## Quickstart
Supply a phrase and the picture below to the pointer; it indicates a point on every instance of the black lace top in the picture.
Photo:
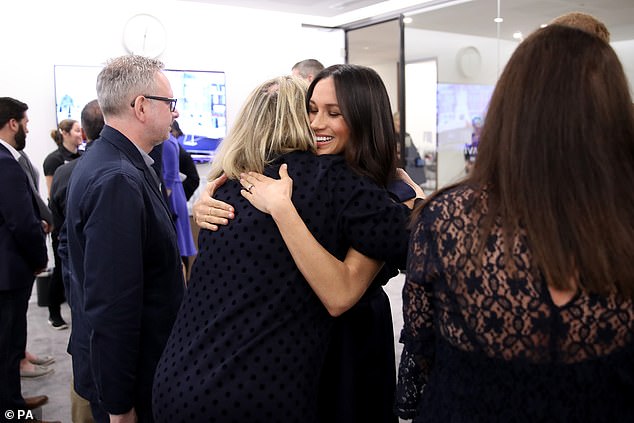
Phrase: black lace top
(483, 344)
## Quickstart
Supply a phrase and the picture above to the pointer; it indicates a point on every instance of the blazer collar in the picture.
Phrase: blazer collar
(123, 143)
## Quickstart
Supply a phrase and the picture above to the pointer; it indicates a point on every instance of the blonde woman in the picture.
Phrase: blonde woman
(251, 335)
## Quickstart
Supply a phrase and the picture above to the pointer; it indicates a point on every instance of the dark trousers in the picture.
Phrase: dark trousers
(56, 287)
(13, 306)
(98, 413)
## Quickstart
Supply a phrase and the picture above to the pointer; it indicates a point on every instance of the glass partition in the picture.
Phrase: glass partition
(465, 44)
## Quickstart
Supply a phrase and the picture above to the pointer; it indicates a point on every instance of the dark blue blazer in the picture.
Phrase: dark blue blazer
(22, 239)
(119, 252)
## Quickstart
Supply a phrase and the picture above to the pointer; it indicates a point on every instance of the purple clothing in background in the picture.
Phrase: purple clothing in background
(176, 198)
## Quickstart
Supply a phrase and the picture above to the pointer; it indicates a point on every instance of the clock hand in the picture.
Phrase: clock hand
(144, 38)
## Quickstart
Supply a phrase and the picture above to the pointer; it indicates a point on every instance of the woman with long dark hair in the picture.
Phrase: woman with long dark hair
(252, 332)
(518, 297)
(349, 112)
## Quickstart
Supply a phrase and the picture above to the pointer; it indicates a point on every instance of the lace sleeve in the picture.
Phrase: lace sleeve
(417, 335)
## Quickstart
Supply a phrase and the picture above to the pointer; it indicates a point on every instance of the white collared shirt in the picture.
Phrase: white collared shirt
(12, 150)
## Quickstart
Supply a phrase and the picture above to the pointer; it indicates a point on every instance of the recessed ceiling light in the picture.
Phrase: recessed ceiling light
(498, 20)
(543, 25)
(518, 35)
(407, 20)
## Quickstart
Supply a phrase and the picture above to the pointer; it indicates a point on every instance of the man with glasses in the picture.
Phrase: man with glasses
(118, 246)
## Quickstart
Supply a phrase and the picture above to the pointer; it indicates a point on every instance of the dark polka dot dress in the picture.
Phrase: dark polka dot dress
(250, 337)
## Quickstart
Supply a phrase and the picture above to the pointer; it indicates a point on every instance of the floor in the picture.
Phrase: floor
(44, 340)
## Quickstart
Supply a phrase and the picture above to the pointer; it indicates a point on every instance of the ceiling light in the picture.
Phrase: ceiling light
(518, 35)
(543, 25)
(408, 20)
(498, 20)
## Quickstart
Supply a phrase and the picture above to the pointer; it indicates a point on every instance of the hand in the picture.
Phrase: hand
(402, 175)
(209, 212)
(46, 227)
(267, 194)
(129, 417)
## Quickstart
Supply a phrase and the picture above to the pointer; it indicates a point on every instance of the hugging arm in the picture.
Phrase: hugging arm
(210, 213)
(338, 284)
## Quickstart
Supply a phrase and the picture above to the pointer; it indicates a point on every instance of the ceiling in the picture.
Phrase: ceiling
(471, 17)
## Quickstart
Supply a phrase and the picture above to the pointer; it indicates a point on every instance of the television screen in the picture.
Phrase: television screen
(201, 103)
(461, 114)
(202, 109)
(461, 111)
(74, 87)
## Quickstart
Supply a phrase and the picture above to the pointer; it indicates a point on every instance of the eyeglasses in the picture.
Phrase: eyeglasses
(171, 101)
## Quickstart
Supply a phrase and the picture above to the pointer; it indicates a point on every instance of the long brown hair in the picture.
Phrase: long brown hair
(556, 157)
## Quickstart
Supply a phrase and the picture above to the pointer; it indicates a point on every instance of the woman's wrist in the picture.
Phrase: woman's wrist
(282, 209)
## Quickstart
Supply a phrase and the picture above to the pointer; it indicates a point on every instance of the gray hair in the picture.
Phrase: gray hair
(122, 79)
(308, 67)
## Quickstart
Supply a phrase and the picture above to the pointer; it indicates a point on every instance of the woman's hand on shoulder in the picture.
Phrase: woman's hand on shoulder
(208, 212)
(267, 194)
(402, 175)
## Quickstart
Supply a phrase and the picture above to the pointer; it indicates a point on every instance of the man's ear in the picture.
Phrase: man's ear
(14, 124)
(140, 108)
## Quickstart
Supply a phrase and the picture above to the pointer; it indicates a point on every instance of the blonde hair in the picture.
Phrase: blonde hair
(273, 121)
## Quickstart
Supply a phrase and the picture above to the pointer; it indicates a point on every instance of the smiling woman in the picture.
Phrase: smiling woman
(348, 109)
(331, 130)
(257, 324)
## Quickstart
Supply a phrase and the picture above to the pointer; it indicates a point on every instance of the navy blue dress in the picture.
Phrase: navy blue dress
(482, 344)
(358, 378)
(250, 338)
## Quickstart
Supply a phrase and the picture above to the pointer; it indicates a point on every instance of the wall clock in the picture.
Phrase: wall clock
(469, 61)
(144, 35)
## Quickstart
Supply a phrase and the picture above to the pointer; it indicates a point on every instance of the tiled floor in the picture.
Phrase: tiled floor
(43, 339)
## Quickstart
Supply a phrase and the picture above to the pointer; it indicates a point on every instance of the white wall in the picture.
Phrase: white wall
(249, 45)
(625, 51)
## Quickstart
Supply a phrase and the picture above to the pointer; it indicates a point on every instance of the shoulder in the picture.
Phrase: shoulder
(104, 164)
(53, 155)
(449, 204)
(64, 170)
(52, 161)
(10, 168)
(61, 176)
(170, 149)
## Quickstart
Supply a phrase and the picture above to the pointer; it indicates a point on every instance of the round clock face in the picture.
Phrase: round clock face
(469, 61)
(144, 35)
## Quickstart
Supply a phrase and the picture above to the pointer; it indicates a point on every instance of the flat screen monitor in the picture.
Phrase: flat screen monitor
(461, 113)
(202, 109)
(201, 103)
